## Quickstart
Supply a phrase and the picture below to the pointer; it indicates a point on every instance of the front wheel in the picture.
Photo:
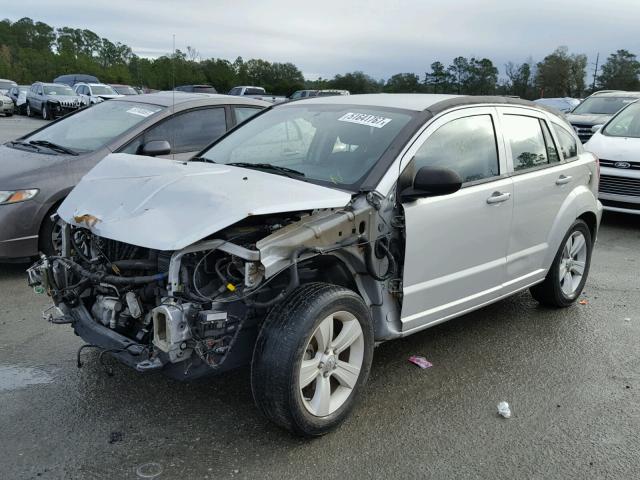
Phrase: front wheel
(29, 111)
(45, 112)
(312, 358)
(568, 273)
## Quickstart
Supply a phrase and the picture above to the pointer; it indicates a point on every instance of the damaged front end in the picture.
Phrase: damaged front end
(197, 310)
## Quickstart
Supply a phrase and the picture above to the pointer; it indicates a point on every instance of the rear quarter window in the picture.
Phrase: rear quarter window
(567, 143)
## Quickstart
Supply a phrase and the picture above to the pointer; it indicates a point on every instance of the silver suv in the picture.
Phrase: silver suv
(318, 229)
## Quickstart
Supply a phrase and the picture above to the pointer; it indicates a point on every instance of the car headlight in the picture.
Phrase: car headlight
(15, 196)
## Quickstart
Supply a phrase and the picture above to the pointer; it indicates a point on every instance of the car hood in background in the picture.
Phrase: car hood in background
(588, 119)
(24, 168)
(617, 149)
(167, 205)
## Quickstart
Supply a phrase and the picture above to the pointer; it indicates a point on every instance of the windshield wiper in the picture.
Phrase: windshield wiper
(53, 146)
(201, 159)
(25, 144)
(289, 172)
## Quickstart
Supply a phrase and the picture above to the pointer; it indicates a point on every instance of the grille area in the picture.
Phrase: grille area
(584, 131)
(612, 164)
(620, 185)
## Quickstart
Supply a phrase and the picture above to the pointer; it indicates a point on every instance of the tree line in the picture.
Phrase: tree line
(31, 51)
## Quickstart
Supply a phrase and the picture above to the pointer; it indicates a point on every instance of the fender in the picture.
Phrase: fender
(579, 201)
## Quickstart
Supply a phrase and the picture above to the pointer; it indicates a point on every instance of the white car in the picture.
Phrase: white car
(92, 93)
(317, 229)
(617, 145)
(6, 105)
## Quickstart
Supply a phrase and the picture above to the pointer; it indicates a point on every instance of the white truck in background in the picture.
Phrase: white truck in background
(258, 93)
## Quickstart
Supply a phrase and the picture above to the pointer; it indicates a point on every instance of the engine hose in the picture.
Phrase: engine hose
(391, 269)
(113, 279)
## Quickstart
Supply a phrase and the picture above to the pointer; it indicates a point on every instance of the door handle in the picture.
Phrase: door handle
(563, 179)
(498, 197)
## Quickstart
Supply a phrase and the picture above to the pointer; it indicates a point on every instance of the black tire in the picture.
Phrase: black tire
(28, 110)
(45, 239)
(281, 346)
(549, 292)
(45, 112)
(9, 114)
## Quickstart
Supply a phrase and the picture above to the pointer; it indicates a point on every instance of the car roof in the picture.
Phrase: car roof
(434, 103)
(52, 84)
(615, 93)
(168, 98)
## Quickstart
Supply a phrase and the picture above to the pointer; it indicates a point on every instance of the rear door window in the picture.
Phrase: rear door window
(567, 142)
(244, 113)
(466, 145)
(528, 147)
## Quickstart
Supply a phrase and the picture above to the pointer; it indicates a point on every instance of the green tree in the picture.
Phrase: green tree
(403, 83)
(561, 74)
(459, 71)
(355, 82)
(519, 80)
(621, 71)
(439, 80)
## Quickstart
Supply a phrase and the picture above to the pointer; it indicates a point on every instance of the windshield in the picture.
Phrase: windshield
(58, 90)
(125, 90)
(626, 123)
(94, 127)
(254, 91)
(331, 144)
(603, 105)
(102, 90)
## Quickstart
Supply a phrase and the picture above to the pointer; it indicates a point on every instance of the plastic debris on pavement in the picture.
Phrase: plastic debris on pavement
(583, 302)
(504, 410)
(420, 361)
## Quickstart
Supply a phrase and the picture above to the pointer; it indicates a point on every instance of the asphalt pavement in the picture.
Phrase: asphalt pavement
(571, 377)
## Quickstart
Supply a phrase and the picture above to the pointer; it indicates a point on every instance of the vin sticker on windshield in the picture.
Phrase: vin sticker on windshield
(364, 119)
(143, 112)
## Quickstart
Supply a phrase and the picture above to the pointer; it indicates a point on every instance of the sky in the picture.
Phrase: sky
(379, 37)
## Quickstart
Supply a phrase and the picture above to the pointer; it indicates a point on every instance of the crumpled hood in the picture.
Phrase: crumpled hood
(588, 119)
(167, 205)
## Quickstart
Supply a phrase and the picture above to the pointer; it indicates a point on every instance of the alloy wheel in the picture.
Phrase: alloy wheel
(331, 365)
(572, 263)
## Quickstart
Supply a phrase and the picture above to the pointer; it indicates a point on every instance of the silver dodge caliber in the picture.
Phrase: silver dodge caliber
(317, 229)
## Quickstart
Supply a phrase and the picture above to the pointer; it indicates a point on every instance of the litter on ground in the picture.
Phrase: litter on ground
(420, 361)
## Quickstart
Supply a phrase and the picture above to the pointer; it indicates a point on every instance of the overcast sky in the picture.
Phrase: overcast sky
(380, 37)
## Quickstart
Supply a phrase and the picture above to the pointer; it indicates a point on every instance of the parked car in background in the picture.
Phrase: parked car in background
(93, 93)
(124, 89)
(300, 94)
(617, 145)
(18, 94)
(563, 104)
(6, 105)
(40, 169)
(597, 109)
(258, 93)
(5, 85)
(196, 89)
(74, 78)
(274, 249)
(332, 92)
(51, 100)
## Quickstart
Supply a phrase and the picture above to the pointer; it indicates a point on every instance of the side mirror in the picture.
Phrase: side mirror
(595, 128)
(155, 148)
(432, 182)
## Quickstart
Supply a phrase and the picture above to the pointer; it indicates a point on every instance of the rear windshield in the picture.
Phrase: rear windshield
(603, 105)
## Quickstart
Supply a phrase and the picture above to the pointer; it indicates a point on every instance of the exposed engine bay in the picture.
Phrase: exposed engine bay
(198, 309)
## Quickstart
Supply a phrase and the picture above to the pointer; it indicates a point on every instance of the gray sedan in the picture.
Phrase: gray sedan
(40, 169)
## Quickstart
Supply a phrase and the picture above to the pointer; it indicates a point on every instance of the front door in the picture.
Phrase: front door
(456, 244)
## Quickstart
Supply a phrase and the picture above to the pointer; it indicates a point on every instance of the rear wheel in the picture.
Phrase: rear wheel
(312, 358)
(568, 273)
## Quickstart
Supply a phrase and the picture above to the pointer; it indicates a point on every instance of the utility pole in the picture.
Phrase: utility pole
(595, 74)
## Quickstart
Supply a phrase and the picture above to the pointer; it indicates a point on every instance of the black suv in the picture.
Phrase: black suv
(52, 100)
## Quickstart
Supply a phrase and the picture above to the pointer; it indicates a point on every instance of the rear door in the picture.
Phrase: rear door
(456, 244)
(541, 183)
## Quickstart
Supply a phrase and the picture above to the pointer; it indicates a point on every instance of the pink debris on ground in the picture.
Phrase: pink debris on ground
(420, 361)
